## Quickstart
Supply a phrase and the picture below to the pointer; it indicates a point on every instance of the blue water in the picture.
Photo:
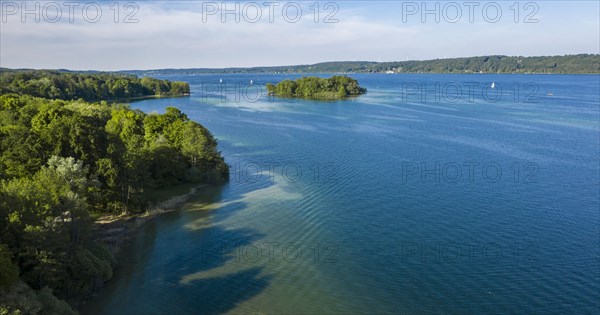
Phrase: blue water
(413, 198)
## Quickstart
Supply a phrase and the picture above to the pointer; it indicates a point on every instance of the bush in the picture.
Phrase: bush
(51, 305)
(20, 299)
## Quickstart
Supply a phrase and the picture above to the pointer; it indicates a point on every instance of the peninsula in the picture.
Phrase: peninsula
(67, 157)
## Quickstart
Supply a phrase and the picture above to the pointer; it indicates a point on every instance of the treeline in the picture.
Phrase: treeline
(90, 87)
(336, 87)
(583, 63)
(499, 64)
(62, 163)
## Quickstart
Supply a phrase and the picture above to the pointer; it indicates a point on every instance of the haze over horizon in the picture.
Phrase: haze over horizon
(194, 34)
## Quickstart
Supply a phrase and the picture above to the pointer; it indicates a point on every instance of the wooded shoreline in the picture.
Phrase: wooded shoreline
(78, 174)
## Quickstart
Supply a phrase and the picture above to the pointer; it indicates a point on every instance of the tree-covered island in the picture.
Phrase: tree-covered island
(334, 88)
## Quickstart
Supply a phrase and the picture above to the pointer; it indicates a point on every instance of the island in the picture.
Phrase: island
(334, 88)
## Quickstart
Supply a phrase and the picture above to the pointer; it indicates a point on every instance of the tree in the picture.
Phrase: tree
(126, 133)
(336, 87)
(270, 88)
(286, 88)
(9, 272)
(90, 87)
(342, 91)
(61, 161)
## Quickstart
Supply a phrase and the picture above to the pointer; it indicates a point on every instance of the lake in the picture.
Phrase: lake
(429, 194)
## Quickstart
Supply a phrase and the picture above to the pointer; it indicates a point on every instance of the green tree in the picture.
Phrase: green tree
(61, 161)
(9, 272)
(336, 87)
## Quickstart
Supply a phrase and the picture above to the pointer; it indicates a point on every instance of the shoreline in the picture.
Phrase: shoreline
(145, 97)
(115, 231)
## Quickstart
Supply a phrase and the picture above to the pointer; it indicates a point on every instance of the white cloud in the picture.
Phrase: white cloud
(176, 36)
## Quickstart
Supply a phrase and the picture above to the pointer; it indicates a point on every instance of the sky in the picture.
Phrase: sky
(96, 35)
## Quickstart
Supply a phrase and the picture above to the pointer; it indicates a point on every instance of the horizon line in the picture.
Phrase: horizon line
(300, 65)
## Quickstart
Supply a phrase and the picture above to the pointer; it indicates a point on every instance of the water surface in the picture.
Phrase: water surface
(446, 201)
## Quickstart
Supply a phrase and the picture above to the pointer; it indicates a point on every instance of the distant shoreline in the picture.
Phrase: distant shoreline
(491, 64)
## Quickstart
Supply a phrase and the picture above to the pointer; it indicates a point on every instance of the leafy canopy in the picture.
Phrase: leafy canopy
(336, 87)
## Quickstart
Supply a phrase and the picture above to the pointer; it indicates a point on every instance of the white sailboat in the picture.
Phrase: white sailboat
(493, 86)
(220, 80)
(251, 82)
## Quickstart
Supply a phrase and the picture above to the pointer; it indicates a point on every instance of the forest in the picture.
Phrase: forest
(336, 87)
(88, 86)
(568, 64)
(66, 161)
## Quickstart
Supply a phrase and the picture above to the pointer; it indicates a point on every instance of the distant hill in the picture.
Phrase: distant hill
(570, 64)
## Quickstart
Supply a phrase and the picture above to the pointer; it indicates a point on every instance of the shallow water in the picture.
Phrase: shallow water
(447, 201)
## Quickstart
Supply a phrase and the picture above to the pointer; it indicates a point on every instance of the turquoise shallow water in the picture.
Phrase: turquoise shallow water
(459, 199)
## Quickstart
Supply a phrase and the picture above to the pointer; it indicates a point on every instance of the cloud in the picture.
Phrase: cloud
(179, 35)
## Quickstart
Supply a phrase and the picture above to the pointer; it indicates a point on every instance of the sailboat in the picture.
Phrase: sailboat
(493, 86)
(251, 82)
(220, 80)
